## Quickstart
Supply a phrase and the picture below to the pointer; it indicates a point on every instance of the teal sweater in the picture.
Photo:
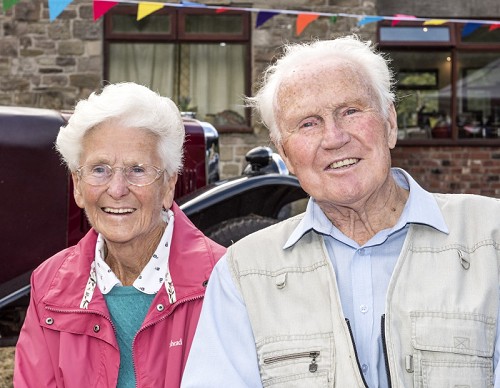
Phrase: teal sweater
(128, 307)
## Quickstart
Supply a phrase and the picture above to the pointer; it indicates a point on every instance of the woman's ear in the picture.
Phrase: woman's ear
(77, 194)
(168, 199)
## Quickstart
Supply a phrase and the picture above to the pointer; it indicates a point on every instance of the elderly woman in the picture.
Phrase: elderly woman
(379, 283)
(120, 308)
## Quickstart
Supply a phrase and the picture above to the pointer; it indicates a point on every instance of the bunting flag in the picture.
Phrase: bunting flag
(191, 4)
(303, 20)
(56, 7)
(369, 19)
(263, 17)
(435, 22)
(101, 7)
(400, 17)
(145, 9)
(469, 28)
(7, 4)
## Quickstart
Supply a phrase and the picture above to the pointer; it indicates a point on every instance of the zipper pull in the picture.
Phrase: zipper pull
(313, 367)
(409, 363)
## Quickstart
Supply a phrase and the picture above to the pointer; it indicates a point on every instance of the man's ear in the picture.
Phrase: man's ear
(168, 199)
(281, 150)
(392, 127)
(77, 194)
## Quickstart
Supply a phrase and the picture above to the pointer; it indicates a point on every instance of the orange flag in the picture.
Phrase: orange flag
(303, 20)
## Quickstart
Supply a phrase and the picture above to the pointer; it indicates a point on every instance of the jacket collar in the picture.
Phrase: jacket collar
(192, 257)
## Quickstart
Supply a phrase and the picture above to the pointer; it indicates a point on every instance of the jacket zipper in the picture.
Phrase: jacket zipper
(156, 322)
(313, 366)
(356, 352)
(384, 347)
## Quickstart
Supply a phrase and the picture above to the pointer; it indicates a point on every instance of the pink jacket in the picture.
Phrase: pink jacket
(62, 345)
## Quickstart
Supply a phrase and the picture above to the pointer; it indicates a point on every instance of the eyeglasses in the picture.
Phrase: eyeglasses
(101, 174)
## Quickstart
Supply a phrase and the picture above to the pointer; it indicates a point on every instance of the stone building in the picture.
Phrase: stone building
(206, 60)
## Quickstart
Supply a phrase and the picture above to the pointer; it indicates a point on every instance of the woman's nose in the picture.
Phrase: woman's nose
(118, 185)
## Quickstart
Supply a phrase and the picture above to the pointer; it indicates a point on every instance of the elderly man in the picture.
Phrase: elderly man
(379, 283)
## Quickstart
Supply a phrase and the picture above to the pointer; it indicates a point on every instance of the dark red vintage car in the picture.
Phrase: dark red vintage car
(39, 216)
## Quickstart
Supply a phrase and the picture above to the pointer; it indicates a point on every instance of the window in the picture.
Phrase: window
(197, 57)
(448, 81)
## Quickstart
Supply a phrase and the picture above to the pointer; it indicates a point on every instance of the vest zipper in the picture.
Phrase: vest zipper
(313, 367)
(384, 347)
(355, 352)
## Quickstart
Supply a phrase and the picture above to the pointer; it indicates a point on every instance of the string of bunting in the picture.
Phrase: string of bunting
(304, 18)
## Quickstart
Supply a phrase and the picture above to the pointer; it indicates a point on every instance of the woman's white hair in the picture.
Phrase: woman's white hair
(129, 105)
(362, 55)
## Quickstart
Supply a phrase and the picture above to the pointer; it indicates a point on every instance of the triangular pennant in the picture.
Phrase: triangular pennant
(494, 27)
(369, 19)
(469, 28)
(191, 4)
(56, 7)
(263, 17)
(333, 19)
(303, 20)
(221, 10)
(435, 22)
(144, 9)
(101, 7)
(7, 4)
(399, 17)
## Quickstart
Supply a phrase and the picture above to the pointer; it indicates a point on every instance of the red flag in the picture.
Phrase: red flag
(400, 17)
(101, 7)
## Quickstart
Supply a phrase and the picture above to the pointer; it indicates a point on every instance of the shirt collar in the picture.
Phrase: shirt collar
(420, 208)
(154, 274)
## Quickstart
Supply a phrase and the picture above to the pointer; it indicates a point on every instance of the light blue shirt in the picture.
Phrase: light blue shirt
(223, 351)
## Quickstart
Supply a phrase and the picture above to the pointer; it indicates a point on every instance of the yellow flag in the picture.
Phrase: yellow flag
(435, 22)
(146, 9)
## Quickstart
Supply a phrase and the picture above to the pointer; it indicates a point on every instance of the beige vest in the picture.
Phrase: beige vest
(441, 306)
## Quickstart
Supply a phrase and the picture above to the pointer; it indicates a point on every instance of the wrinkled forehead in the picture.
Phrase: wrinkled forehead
(333, 71)
(335, 80)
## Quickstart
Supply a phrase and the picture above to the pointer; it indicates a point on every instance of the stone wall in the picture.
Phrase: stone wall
(473, 170)
(49, 64)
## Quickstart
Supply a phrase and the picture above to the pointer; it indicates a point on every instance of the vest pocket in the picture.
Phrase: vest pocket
(452, 349)
(295, 361)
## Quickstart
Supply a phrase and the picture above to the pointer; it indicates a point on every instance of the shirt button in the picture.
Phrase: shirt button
(97, 328)
(160, 307)
(49, 321)
(362, 251)
(363, 308)
(364, 368)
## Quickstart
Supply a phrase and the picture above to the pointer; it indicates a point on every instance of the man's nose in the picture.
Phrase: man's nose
(334, 134)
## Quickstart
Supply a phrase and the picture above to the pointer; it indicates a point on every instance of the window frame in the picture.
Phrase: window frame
(178, 36)
(456, 47)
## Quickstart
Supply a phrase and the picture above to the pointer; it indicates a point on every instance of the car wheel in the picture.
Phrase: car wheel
(234, 229)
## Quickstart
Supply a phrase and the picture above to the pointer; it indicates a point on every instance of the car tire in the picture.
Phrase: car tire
(234, 229)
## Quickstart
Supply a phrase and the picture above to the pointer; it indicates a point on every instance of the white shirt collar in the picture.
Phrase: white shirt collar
(421, 207)
(154, 273)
